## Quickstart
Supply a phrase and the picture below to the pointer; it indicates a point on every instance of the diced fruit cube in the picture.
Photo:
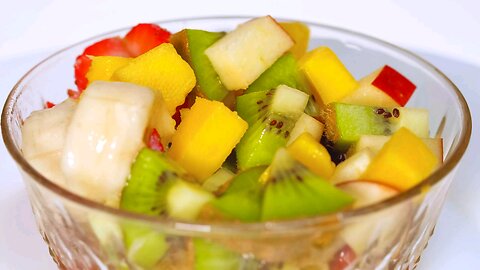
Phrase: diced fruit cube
(369, 95)
(185, 200)
(312, 155)
(103, 67)
(161, 120)
(242, 55)
(353, 167)
(283, 71)
(394, 84)
(218, 180)
(345, 123)
(306, 123)
(144, 37)
(205, 137)
(289, 101)
(300, 33)
(329, 78)
(191, 45)
(403, 161)
(163, 70)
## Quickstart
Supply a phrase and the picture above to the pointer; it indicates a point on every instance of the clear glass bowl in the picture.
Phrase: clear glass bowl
(391, 234)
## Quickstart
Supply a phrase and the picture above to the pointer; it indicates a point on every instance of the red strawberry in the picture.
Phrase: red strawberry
(154, 141)
(110, 46)
(145, 37)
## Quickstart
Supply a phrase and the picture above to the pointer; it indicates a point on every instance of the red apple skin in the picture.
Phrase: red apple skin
(343, 258)
(394, 84)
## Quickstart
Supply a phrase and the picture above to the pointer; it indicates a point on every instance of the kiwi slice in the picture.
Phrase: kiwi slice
(293, 191)
(242, 200)
(283, 71)
(191, 45)
(345, 123)
(271, 115)
(213, 256)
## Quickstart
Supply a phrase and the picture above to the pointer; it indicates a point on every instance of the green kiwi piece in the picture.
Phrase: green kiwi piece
(283, 71)
(293, 191)
(271, 115)
(242, 200)
(213, 256)
(345, 123)
(191, 45)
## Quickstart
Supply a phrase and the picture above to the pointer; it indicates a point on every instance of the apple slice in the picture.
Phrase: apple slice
(394, 84)
(380, 229)
(353, 167)
(308, 124)
(242, 55)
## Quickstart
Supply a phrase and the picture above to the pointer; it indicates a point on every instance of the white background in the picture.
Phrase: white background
(447, 33)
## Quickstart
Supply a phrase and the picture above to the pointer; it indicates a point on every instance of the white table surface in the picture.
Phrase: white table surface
(444, 32)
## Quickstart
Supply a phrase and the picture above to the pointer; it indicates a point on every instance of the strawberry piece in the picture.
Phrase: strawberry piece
(395, 85)
(154, 141)
(343, 258)
(73, 94)
(107, 47)
(49, 105)
(145, 37)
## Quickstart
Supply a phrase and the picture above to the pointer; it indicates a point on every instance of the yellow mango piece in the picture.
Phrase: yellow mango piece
(308, 151)
(402, 162)
(163, 70)
(205, 137)
(103, 67)
(300, 33)
(329, 78)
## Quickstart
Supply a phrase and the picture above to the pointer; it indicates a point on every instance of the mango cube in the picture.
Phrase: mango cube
(308, 151)
(205, 137)
(103, 67)
(162, 70)
(402, 162)
(329, 78)
(300, 33)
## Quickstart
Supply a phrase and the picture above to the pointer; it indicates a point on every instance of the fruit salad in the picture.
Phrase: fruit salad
(250, 125)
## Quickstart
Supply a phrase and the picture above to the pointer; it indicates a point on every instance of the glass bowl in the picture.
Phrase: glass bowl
(391, 234)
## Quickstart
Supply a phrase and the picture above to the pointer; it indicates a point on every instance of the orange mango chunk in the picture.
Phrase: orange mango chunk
(308, 151)
(329, 78)
(403, 161)
(103, 67)
(162, 70)
(205, 137)
(300, 33)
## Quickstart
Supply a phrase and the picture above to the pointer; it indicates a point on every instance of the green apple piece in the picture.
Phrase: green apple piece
(185, 200)
(191, 45)
(283, 71)
(242, 55)
(306, 123)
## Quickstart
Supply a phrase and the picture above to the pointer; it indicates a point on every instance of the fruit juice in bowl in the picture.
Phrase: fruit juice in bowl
(236, 143)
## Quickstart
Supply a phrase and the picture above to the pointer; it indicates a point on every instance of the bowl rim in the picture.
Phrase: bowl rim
(229, 227)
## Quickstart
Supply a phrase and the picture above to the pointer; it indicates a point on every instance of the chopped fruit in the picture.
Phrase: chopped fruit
(376, 142)
(367, 192)
(49, 105)
(345, 123)
(154, 141)
(271, 116)
(205, 137)
(162, 70)
(343, 258)
(73, 94)
(312, 155)
(191, 45)
(185, 200)
(242, 55)
(394, 84)
(103, 67)
(103, 138)
(402, 162)
(144, 37)
(212, 256)
(353, 167)
(306, 123)
(161, 120)
(369, 95)
(283, 71)
(218, 180)
(292, 191)
(300, 33)
(330, 79)
(107, 47)
(243, 198)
